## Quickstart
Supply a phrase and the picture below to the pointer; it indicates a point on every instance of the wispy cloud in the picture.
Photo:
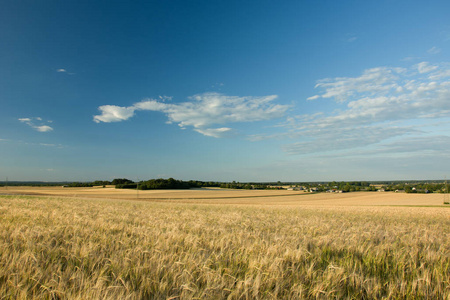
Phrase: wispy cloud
(434, 143)
(64, 71)
(343, 138)
(383, 110)
(203, 112)
(51, 145)
(411, 58)
(350, 37)
(37, 123)
(371, 82)
(434, 50)
(217, 85)
(380, 104)
(425, 67)
(406, 146)
(21, 142)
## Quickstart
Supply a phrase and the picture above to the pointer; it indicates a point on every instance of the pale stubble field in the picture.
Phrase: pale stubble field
(222, 245)
(230, 196)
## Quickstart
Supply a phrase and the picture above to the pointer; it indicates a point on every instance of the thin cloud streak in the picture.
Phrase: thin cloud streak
(434, 50)
(64, 71)
(344, 138)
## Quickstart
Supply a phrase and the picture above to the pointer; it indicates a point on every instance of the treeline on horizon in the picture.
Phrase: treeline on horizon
(156, 184)
(416, 186)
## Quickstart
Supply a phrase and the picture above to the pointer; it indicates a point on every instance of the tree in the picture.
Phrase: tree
(121, 181)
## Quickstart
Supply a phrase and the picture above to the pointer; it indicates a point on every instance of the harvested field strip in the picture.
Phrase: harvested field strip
(170, 198)
(255, 197)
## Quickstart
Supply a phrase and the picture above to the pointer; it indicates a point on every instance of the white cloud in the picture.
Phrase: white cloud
(378, 110)
(440, 73)
(64, 71)
(313, 97)
(37, 123)
(113, 113)
(380, 104)
(425, 67)
(214, 132)
(43, 128)
(153, 105)
(202, 112)
(371, 82)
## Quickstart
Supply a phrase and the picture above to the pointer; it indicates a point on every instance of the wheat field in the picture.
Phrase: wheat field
(54, 247)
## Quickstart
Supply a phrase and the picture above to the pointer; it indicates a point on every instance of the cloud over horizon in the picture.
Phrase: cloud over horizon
(203, 112)
(380, 104)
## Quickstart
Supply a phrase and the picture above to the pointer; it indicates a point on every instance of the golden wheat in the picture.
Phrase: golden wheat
(68, 248)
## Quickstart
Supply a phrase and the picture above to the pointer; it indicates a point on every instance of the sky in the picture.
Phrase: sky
(224, 90)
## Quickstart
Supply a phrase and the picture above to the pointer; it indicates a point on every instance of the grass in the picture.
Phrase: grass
(69, 248)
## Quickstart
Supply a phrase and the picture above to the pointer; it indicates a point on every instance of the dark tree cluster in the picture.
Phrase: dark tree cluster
(121, 181)
(347, 186)
(171, 183)
(248, 185)
(159, 184)
(88, 184)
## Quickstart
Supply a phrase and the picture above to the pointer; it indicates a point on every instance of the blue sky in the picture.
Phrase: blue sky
(224, 90)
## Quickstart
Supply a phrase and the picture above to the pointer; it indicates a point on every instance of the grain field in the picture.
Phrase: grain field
(91, 248)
